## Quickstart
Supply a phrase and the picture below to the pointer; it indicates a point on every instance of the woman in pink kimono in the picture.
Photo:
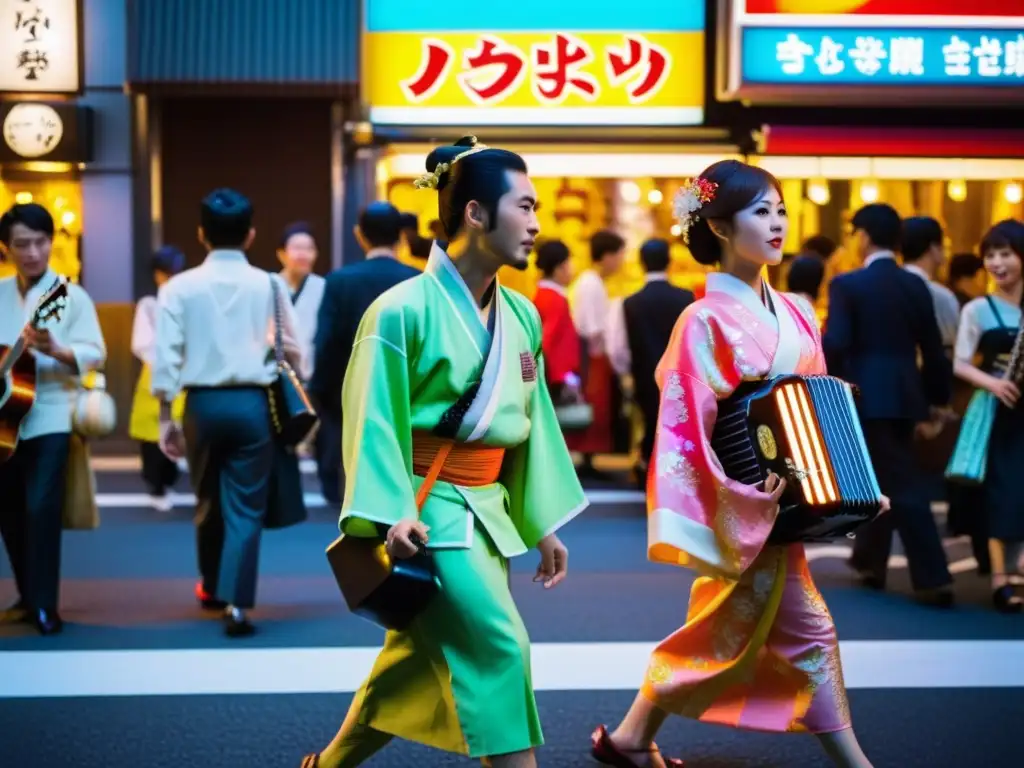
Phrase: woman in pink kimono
(759, 649)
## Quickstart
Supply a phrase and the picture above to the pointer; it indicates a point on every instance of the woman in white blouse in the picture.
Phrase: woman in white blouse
(988, 327)
(297, 253)
(158, 472)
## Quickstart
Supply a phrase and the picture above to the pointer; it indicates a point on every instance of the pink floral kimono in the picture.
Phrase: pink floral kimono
(759, 648)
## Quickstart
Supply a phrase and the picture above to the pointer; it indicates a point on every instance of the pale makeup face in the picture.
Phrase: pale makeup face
(30, 251)
(299, 254)
(512, 239)
(759, 230)
(1005, 267)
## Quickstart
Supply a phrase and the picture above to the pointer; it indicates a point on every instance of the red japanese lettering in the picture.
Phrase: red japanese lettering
(645, 64)
(494, 70)
(435, 61)
(558, 69)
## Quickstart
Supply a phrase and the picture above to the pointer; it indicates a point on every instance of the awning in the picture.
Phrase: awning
(298, 44)
(891, 142)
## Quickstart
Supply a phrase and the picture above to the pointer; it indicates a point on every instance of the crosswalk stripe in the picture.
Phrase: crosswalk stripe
(139, 500)
(887, 664)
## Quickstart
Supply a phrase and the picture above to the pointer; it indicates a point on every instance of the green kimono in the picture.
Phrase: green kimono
(459, 678)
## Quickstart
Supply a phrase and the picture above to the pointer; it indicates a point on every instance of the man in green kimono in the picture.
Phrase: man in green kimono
(453, 355)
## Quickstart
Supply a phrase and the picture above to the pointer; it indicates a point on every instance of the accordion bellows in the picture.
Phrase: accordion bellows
(805, 429)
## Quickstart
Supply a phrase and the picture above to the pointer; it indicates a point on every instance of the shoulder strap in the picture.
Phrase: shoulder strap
(275, 293)
(995, 311)
(432, 475)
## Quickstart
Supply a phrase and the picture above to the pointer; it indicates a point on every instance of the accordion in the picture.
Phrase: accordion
(806, 430)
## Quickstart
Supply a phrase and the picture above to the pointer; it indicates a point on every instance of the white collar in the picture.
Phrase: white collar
(916, 270)
(732, 286)
(551, 285)
(226, 255)
(380, 253)
(878, 256)
(656, 277)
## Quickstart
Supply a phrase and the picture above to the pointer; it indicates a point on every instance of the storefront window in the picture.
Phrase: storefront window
(574, 208)
(62, 197)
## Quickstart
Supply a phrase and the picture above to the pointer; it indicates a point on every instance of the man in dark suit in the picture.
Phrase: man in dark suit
(880, 319)
(639, 335)
(348, 293)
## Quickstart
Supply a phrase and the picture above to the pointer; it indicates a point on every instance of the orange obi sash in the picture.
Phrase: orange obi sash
(466, 464)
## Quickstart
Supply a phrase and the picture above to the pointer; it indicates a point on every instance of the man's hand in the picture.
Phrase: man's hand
(886, 505)
(172, 440)
(42, 342)
(399, 543)
(554, 561)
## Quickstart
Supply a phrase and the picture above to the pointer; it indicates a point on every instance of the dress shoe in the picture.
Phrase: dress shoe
(16, 614)
(605, 751)
(236, 624)
(48, 622)
(208, 601)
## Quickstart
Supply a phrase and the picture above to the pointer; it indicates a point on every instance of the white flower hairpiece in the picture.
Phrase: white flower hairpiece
(689, 200)
(431, 180)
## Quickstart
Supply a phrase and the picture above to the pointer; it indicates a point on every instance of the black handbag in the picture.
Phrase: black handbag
(285, 503)
(292, 416)
(385, 591)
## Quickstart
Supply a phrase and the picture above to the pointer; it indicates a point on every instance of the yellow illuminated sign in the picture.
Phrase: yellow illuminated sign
(534, 78)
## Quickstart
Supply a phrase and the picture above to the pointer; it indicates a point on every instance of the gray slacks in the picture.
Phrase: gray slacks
(230, 455)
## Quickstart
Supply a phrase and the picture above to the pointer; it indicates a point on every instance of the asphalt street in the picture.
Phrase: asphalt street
(142, 677)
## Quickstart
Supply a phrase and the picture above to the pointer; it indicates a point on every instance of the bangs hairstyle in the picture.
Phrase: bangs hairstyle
(296, 228)
(1008, 233)
(480, 176)
(739, 186)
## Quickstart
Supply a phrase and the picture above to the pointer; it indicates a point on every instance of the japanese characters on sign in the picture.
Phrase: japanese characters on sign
(493, 70)
(533, 63)
(934, 56)
(32, 130)
(39, 46)
(534, 77)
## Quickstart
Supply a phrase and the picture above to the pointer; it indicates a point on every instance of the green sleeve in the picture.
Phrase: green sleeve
(377, 426)
(544, 491)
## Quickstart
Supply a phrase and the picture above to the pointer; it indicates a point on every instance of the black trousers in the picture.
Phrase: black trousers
(230, 456)
(158, 472)
(328, 456)
(649, 410)
(31, 509)
(891, 445)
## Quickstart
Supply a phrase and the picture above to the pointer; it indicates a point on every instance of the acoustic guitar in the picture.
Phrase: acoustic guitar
(18, 370)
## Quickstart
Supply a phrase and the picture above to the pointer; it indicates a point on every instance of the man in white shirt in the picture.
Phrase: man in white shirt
(923, 255)
(32, 481)
(590, 311)
(214, 339)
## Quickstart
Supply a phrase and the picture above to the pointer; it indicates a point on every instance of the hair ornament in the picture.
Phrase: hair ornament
(690, 198)
(431, 180)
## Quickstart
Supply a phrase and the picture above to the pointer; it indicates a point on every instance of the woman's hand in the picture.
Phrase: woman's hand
(774, 486)
(1005, 391)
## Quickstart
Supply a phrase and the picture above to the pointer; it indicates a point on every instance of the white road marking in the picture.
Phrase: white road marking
(874, 664)
(142, 500)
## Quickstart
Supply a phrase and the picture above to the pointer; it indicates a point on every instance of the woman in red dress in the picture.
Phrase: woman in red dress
(561, 343)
